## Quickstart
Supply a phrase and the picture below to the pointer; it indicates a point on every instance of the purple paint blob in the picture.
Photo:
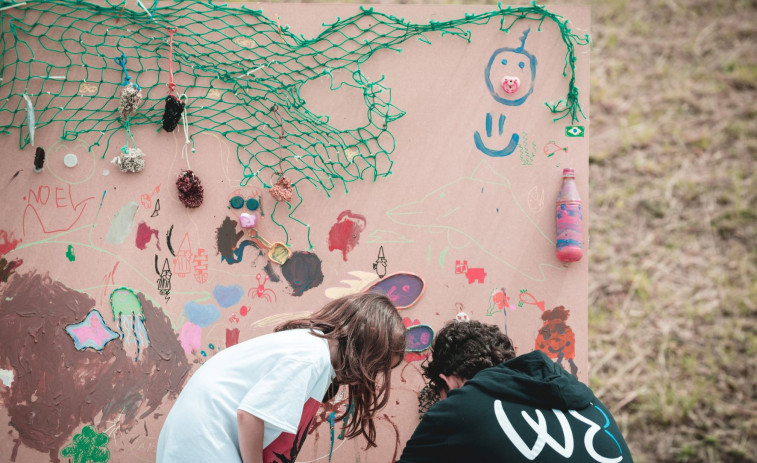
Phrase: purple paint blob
(404, 289)
(418, 338)
(303, 272)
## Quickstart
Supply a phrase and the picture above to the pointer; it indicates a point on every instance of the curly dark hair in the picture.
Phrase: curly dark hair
(465, 348)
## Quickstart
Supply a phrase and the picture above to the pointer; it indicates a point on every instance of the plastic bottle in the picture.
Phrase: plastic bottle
(568, 219)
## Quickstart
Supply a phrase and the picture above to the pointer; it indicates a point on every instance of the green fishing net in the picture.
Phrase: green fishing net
(241, 70)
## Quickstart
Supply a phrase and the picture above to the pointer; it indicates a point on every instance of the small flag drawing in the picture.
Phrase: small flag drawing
(574, 131)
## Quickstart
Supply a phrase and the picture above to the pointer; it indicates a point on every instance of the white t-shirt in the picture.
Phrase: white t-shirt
(281, 378)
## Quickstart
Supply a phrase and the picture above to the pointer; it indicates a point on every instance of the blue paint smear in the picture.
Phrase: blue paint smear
(238, 252)
(202, 315)
(226, 296)
(506, 151)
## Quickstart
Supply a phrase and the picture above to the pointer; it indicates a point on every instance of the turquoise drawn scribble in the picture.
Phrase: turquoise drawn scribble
(448, 210)
(88, 447)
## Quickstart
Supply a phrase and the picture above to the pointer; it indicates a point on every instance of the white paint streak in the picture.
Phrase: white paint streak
(120, 226)
(6, 377)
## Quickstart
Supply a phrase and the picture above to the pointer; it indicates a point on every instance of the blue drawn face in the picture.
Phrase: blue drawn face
(510, 74)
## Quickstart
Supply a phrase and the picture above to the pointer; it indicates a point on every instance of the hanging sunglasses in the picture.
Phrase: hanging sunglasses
(238, 202)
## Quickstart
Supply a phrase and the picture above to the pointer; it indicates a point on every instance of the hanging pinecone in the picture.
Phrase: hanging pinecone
(130, 160)
(172, 114)
(131, 97)
(282, 190)
(190, 189)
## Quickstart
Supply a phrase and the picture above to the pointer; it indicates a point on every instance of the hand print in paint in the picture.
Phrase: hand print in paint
(345, 233)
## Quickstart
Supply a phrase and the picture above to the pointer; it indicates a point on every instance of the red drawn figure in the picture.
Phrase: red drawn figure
(556, 338)
(261, 292)
(412, 355)
(201, 266)
(182, 264)
(499, 302)
(528, 298)
(146, 199)
(473, 274)
(345, 233)
(48, 213)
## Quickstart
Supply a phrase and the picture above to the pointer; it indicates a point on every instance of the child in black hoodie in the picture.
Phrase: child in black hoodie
(497, 407)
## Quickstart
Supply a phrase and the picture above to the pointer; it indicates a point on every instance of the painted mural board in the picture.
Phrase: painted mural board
(425, 165)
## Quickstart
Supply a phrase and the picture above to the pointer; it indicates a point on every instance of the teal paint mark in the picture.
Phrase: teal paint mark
(441, 257)
(70, 253)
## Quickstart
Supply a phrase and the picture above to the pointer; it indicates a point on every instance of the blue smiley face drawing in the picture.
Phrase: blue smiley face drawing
(510, 74)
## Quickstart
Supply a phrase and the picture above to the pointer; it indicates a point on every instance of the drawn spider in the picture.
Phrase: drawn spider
(261, 292)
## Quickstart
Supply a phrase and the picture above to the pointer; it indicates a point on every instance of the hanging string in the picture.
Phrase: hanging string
(131, 93)
(31, 120)
(187, 140)
(174, 106)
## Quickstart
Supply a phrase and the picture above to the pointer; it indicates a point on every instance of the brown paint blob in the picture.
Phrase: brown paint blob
(57, 389)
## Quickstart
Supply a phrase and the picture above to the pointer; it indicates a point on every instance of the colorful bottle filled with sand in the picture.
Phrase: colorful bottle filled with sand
(568, 219)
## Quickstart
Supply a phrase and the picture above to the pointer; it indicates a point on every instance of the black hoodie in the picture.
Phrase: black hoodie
(527, 409)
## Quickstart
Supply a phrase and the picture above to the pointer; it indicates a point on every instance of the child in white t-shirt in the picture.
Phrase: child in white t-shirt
(255, 401)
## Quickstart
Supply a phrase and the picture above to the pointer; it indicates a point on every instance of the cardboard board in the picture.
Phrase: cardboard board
(115, 292)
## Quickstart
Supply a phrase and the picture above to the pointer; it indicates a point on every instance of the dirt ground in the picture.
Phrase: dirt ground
(673, 287)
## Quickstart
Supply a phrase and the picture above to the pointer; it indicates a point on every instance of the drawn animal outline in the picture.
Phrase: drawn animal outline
(483, 176)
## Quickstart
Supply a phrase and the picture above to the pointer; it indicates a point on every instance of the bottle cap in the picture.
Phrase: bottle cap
(568, 172)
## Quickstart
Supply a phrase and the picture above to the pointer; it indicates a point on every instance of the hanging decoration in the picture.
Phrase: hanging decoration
(39, 159)
(131, 159)
(190, 189)
(131, 93)
(31, 119)
(282, 190)
(174, 106)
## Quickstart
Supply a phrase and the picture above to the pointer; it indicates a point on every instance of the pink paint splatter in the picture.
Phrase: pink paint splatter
(190, 337)
(7, 244)
(144, 234)
(345, 233)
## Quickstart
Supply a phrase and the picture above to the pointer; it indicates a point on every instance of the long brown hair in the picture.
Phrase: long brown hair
(371, 340)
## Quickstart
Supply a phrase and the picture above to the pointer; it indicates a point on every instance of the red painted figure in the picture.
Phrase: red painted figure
(556, 338)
